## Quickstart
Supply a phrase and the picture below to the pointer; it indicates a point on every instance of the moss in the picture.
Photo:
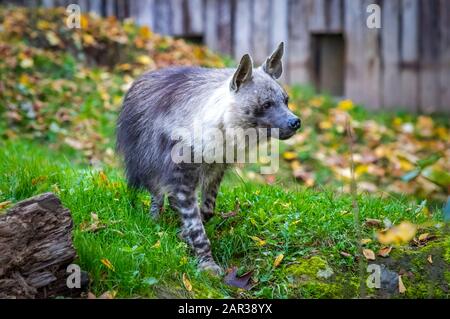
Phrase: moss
(314, 278)
(421, 278)
(306, 269)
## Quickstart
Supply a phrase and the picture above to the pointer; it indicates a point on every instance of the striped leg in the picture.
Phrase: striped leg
(193, 231)
(156, 205)
(210, 188)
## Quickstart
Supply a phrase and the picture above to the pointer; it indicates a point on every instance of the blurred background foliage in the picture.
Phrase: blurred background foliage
(63, 88)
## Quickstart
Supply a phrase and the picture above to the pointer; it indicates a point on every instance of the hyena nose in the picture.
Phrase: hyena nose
(294, 123)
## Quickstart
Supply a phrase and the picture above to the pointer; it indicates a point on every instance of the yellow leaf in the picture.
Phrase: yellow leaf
(258, 241)
(187, 284)
(88, 39)
(325, 125)
(369, 254)
(278, 260)
(430, 259)
(365, 241)
(108, 295)
(423, 237)
(52, 38)
(400, 234)
(84, 22)
(145, 32)
(5, 204)
(107, 263)
(316, 102)
(345, 105)
(401, 286)
(289, 156)
(361, 169)
(24, 79)
(157, 244)
(183, 261)
(103, 177)
(144, 59)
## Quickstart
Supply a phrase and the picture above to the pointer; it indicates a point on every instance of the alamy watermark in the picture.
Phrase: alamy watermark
(231, 146)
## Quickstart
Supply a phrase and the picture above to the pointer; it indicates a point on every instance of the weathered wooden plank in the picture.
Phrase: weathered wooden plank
(391, 55)
(372, 62)
(122, 10)
(429, 56)
(84, 5)
(354, 24)
(95, 6)
(195, 13)
(143, 12)
(242, 28)
(48, 3)
(317, 16)
(299, 43)
(445, 56)
(224, 27)
(178, 17)
(410, 54)
(279, 30)
(334, 15)
(211, 19)
(163, 17)
(110, 7)
(261, 36)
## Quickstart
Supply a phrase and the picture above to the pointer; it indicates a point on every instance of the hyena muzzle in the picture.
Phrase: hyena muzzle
(160, 102)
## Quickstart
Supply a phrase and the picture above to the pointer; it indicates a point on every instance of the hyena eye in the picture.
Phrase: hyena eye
(267, 105)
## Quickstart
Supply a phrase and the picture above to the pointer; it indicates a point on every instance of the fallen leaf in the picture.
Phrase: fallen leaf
(424, 237)
(107, 263)
(90, 295)
(243, 282)
(108, 295)
(343, 253)
(369, 254)
(94, 225)
(430, 259)
(370, 222)
(289, 156)
(401, 286)
(3, 205)
(259, 242)
(385, 251)
(400, 234)
(157, 244)
(365, 241)
(278, 260)
(187, 284)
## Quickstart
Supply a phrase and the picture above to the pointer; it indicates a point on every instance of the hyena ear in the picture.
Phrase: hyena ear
(243, 73)
(273, 65)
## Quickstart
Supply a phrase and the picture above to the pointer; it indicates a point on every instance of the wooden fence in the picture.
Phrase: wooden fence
(404, 64)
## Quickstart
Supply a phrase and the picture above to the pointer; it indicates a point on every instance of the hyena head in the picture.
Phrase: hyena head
(259, 101)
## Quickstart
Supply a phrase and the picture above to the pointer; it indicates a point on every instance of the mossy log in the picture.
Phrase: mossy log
(36, 249)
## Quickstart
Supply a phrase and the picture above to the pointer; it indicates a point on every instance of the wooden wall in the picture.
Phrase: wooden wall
(405, 64)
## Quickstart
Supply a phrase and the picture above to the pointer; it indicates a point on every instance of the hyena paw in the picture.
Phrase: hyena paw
(211, 267)
(207, 215)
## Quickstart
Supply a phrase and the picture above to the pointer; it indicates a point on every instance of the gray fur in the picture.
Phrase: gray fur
(160, 102)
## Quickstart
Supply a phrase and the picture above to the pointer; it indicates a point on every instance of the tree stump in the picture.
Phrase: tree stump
(36, 249)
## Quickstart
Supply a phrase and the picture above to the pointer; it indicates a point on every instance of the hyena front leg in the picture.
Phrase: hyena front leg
(210, 188)
(156, 205)
(193, 232)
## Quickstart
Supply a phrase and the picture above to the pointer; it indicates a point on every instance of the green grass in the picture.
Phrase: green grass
(298, 223)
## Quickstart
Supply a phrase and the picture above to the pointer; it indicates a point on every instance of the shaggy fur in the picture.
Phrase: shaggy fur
(161, 102)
